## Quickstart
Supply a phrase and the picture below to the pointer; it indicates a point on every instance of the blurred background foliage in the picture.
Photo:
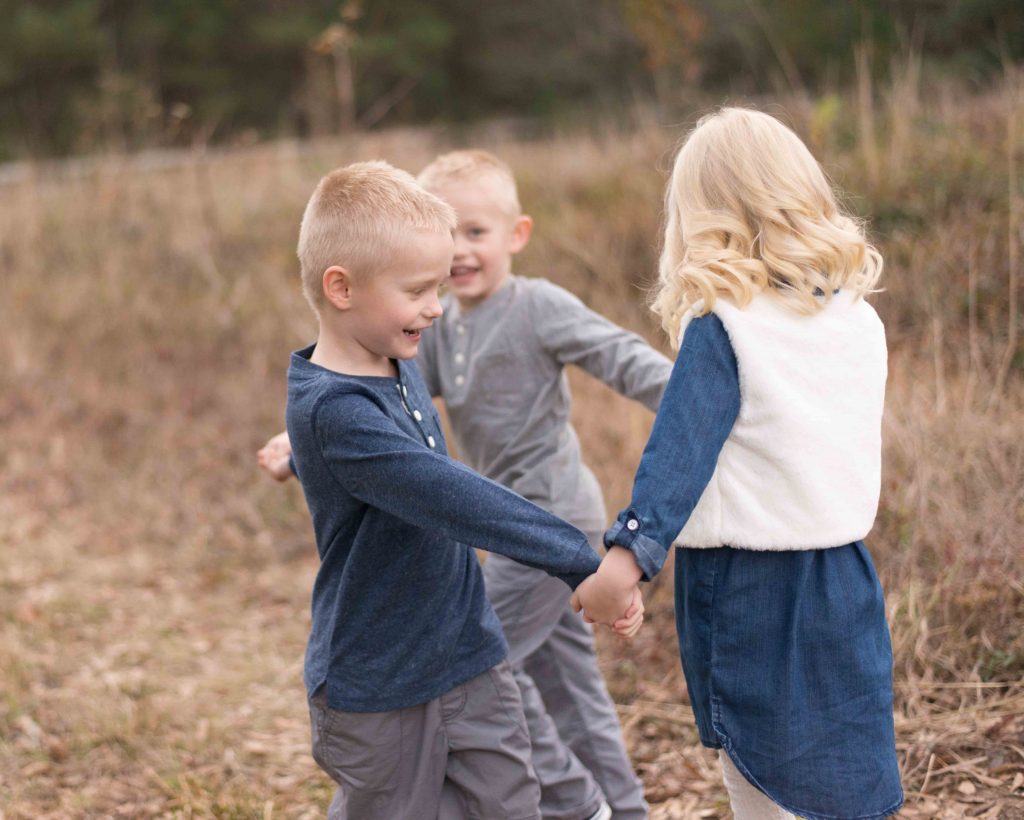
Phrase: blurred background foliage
(82, 75)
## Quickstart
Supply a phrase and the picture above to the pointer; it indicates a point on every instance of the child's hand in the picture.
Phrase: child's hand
(274, 455)
(602, 599)
(630, 623)
(609, 595)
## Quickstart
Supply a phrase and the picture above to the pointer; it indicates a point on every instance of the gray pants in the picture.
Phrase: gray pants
(578, 748)
(465, 754)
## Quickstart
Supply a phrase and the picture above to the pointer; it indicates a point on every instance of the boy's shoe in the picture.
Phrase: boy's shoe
(604, 812)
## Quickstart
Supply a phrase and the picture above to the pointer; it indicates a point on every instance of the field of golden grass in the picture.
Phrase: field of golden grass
(154, 586)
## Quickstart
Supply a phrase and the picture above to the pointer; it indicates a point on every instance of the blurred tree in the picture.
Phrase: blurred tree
(400, 45)
(670, 33)
(758, 45)
(48, 55)
(535, 55)
(87, 74)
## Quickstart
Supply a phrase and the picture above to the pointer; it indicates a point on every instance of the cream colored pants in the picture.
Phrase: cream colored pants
(747, 802)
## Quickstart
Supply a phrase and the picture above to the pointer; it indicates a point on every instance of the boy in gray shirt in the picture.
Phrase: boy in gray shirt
(497, 357)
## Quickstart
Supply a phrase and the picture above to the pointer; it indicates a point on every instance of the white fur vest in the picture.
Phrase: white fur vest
(801, 468)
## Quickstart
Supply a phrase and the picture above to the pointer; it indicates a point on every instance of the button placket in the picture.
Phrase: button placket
(403, 392)
(461, 356)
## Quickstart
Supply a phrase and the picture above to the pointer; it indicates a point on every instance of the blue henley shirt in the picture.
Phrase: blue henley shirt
(399, 612)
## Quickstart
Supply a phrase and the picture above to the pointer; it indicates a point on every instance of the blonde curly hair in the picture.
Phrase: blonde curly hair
(749, 210)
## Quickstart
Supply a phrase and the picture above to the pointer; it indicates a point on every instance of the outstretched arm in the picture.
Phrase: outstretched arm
(382, 466)
(574, 334)
(697, 413)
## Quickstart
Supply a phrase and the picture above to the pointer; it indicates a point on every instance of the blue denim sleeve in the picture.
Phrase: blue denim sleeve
(384, 467)
(697, 413)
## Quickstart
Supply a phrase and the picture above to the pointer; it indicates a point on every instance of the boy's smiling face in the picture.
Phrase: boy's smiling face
(391, 307)
(486, 239)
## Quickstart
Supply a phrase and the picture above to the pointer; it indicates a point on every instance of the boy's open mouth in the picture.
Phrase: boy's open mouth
(413, 334)
(462, 272)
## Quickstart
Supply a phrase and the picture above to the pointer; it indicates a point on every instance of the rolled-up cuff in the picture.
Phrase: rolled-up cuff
(650, 557)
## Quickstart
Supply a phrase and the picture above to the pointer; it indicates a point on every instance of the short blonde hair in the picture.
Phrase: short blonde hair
(358, 216)
(471, 165)
(749, 210)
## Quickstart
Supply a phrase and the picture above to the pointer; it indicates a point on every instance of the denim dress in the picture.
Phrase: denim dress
(786, 653)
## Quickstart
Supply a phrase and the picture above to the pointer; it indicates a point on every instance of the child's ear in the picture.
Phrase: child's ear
(337, 284)
(521, 230)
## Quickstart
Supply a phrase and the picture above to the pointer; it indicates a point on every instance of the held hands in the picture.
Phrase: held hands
(611, 596)
(273, 457)
(603, 604)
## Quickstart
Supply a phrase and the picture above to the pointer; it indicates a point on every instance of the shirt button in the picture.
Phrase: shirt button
(460, 329)
(416, 414)
(459, 358)
(405, 392)
(632, 525)
(459, 380)
(431, 443)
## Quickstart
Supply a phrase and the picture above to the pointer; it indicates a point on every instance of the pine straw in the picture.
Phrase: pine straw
(133, 690)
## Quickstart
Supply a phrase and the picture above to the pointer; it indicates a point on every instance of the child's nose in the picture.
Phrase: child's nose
(433, 309)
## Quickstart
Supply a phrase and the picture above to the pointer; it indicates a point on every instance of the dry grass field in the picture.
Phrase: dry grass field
(154, 586)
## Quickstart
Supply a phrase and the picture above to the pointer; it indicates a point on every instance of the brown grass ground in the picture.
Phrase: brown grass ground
(154, 587)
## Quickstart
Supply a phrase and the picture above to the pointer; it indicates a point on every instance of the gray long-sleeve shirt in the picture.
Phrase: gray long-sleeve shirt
(500, 369)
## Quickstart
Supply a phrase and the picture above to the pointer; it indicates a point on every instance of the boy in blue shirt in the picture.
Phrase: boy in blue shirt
(414, 710)
(497, 358)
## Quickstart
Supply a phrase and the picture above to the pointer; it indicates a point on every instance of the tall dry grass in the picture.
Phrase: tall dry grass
(154, 587)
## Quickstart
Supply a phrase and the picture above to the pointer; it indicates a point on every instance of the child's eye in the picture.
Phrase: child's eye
(476, 233)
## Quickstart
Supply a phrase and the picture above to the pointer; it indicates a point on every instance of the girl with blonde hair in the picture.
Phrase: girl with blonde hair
(763, 470)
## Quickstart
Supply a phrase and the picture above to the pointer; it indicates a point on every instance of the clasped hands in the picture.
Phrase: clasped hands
(611, 596)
